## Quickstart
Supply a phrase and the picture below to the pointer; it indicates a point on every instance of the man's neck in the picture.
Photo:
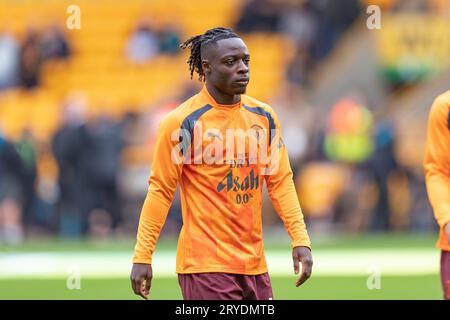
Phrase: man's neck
(222, 98)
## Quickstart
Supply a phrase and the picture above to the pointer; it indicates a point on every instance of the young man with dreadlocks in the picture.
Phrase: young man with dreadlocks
(220, 252)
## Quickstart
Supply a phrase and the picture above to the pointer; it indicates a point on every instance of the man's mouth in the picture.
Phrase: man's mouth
(242, 82)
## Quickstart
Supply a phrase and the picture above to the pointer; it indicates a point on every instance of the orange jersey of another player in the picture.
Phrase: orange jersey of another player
(221, 202)
(437, 164)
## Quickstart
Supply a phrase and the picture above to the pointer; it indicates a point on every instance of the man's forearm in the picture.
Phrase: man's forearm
(288, 208)
(153, 216)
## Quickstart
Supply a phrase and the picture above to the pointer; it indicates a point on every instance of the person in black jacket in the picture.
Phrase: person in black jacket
(12, 185)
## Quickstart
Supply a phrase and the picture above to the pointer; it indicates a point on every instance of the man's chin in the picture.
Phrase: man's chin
(241, 90)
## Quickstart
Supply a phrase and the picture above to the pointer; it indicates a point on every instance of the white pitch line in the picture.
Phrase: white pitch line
(118, 264)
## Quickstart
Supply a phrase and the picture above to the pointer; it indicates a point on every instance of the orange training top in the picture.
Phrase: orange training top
(437, 164)
(221, 202)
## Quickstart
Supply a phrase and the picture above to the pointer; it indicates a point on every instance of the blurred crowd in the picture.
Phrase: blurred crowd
(314, 27)
(147, 42)
(347, 172)
(345, 166)
(20, 63)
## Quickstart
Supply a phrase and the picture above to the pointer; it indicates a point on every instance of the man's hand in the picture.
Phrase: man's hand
(141, 279)
(447, 231)
(302, 254)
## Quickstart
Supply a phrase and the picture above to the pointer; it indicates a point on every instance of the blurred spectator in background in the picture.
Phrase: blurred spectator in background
(258, 16)
(54, 44)
(26, 148)
(349, 141)
(336, 188)
(132, 176)
(88, 156)
(358, 197)
(12, 185)
(382, 165)
(67, 147)
(143, 44)
(299, 69)
(169, 39)
(30, 60)
(334, 17)
(9, 60)
(293, 116)
(101, 164)
(299, 23)
(348, 137)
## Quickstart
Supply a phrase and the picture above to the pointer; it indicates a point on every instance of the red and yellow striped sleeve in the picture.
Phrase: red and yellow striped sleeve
(437, 163)
(163, 181)
(282, 191)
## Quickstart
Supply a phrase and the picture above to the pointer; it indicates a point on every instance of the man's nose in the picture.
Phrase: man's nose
(243, 68)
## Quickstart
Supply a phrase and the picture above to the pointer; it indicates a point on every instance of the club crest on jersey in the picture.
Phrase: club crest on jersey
(257, 131)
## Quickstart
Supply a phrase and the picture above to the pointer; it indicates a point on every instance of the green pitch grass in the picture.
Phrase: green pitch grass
(274, 242)
(325, 287)
(424, 286)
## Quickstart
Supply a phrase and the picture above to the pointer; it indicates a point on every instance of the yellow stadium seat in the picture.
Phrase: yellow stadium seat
(98, 65)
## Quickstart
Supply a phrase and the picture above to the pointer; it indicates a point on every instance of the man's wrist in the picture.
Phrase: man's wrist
(142, 261)
(301, 246)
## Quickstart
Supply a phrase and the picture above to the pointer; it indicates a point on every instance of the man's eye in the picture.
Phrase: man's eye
(229, 62)
(246, 61)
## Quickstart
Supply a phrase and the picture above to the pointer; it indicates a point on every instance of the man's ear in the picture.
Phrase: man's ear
(206, 66)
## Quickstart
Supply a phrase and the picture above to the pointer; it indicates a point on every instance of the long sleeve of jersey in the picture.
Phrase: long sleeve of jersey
(163, 181)
(437, 159)
(282, 192)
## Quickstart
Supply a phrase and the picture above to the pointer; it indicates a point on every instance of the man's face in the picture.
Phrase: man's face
(226, 65)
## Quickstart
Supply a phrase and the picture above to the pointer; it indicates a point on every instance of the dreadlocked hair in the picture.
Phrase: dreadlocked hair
(196, 42)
